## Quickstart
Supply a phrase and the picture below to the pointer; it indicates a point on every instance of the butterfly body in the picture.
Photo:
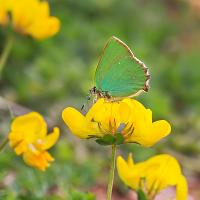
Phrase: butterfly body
(119, 73)
(100, 94)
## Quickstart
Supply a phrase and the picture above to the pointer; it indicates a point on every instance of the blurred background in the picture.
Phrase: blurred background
(47, 76)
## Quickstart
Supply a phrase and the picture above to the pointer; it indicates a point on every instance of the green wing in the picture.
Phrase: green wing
(119, 72)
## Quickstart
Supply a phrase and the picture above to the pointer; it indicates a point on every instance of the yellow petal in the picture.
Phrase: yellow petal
(31, 126)
(107, 114)
(25, 131)
(149, 134)
(123, 169)
(103, 117)
(15, 138)
(159, 130)
(3, 13)
(129, 175)
(33, 18)
(23, 14)
(115, 118)
(44, 28)
(130, 160)
(125, 112)
(136, 106)
(78, 124)
(159, 172)
(39, 161)
(182, 189)
(20, 148)
(43, 10)
(162, 171)
(95, 109)
(51, 139)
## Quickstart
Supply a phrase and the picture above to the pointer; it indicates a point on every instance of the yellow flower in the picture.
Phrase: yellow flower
(28, 137)
(128, 119)
(153, 175)
(3, 12)
(31, 17)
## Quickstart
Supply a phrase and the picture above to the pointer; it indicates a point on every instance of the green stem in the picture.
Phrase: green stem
(5, 53)
(112, 173)
(3, 144)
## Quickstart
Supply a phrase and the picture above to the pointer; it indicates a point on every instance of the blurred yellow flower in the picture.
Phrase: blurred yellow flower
(3, 12)
(153, 175)
(28, 137)
(30, 17)
(121, 122)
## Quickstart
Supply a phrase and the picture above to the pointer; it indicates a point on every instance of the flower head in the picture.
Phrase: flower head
(28, 137)
(29, 17)
(153, 175)
(121, 122)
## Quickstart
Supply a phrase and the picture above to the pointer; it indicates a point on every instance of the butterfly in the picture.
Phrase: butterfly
(119, 73)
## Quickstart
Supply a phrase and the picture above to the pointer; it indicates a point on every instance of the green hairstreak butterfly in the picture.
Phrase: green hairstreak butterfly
(119, 73)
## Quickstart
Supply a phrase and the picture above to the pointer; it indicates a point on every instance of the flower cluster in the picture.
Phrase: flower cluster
(153, 175)
(127, 117)
(29, 17)
(128, 121)
(28, 137)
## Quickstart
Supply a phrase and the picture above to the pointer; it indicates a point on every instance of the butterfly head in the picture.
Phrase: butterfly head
(99, 93)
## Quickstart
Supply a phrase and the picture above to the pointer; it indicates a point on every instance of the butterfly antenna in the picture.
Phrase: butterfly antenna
(88, 99)
(82, 106)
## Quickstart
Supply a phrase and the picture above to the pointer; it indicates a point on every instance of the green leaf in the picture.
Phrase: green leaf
(106, 140)
(141, 195)
(77, 195)
(119, 138)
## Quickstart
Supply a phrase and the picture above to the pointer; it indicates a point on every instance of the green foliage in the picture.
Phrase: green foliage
(20, 182)
(75, 195)
(141, 195)
(106, 140)
(110, 139)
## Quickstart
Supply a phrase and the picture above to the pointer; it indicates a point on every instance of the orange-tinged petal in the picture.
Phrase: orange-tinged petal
(78, 124)
(20, 148)
(39, 161)
(15, 138)
(28, 137)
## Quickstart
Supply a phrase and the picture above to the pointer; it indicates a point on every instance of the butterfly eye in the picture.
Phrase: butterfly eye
(93, 90)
